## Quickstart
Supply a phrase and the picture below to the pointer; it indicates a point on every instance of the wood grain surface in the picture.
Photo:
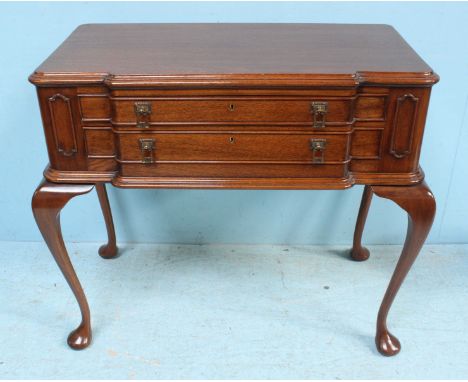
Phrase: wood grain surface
(225, 51)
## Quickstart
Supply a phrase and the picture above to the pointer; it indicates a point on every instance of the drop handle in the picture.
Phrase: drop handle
(319, 111)
(147, 147)
(143, 112)
(318, 147)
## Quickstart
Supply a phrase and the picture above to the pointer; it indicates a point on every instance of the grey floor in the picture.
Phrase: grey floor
(168, 311)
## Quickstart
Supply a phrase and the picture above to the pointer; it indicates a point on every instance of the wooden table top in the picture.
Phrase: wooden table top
(340, 50)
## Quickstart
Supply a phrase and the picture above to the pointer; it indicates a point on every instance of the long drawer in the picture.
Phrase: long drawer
(234, 154)
(235, 146)
(151, 112)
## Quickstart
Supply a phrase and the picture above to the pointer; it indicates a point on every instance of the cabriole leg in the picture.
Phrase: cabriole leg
(109, 250)
(419, 203)
(47, 202)
(358, 252)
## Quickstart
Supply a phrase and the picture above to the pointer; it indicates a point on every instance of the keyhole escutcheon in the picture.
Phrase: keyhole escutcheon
(231, 107)
(231, 140)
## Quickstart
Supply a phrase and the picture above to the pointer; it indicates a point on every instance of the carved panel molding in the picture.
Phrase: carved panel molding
(403, 125)
(62, 124)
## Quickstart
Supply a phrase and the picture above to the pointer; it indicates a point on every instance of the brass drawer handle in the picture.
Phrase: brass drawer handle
(147, 147)
(318, 150)
(319, 110)
(143, 111)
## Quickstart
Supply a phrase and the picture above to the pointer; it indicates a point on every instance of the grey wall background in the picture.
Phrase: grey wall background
(437, 31)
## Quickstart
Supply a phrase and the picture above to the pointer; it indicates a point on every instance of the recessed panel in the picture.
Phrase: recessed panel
(403, 126)
(366, 143)
(99, 143)
(94, 107)
(370, 108)
(62, 125)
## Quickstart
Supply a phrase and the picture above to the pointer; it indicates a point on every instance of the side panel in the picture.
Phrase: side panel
(62, 127)
(403, 134)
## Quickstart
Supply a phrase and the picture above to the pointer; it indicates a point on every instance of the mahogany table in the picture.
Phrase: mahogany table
(234, 106)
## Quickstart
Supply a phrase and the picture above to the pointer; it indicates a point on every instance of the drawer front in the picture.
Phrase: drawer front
(232, 110)
(236, 147)
(233, 155)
